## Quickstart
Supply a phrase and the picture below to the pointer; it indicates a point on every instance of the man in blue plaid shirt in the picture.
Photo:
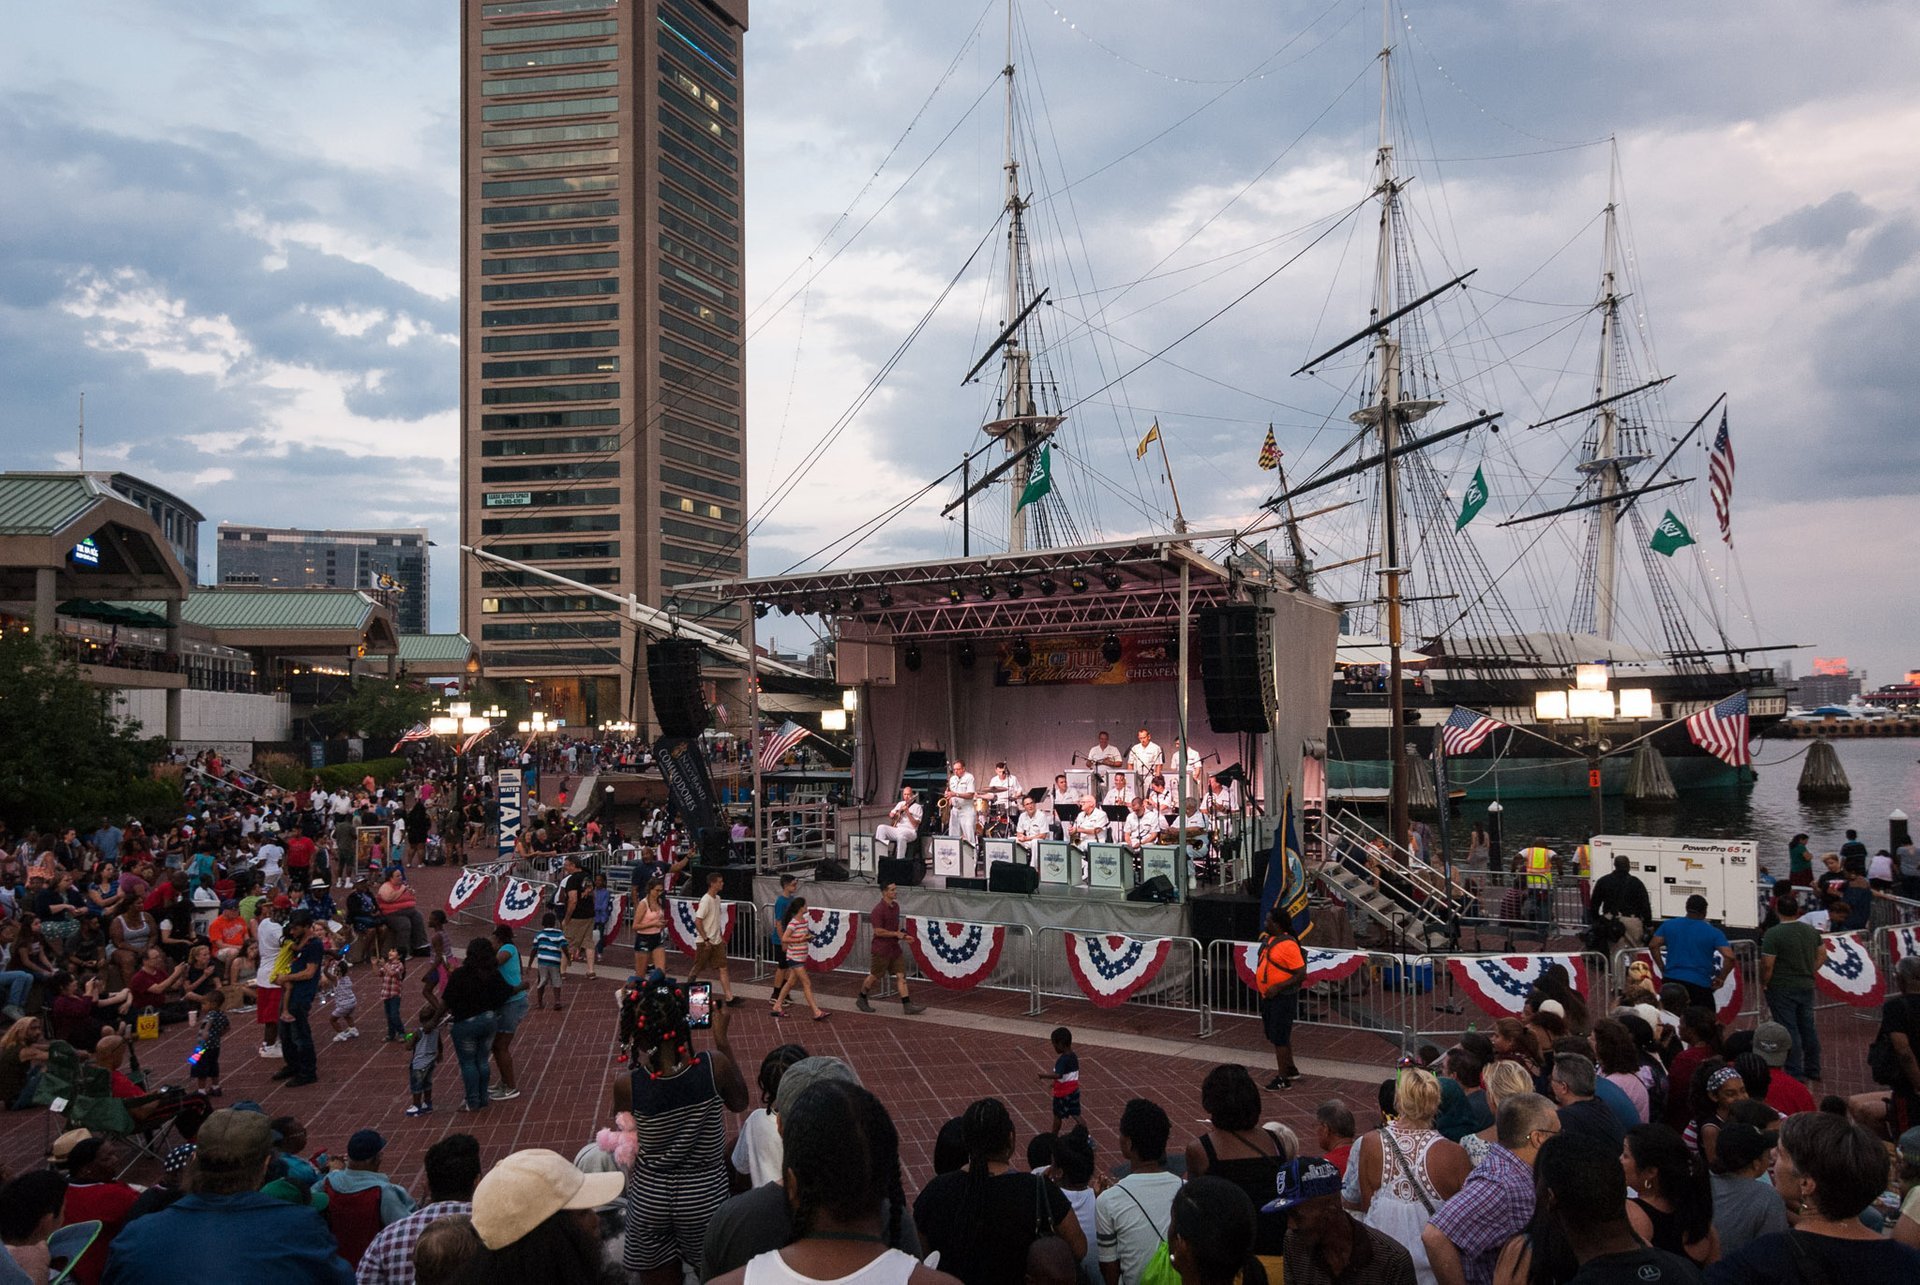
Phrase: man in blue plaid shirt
(453, 1170)
(1464, 1240)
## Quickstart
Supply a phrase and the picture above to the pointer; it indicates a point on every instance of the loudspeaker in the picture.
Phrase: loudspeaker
(1011, 876)
(1235, 672)
(1224, 917)
(830, 871)
(738, 885)
(905, 871)
(1159, 888)
(960, 883)
(673, 681)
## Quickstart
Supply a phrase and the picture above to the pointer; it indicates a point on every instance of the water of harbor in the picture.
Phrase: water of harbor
(1885, 774)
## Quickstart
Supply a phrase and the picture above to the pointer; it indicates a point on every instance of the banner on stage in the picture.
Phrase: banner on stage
(949, 856)
(1322, 965)
(1499, 984)
(1077, 658)
(860, 854)
(957, 956)
(1053, 861)
(1108, 860)
(1003, 850)
(1849, 973)
(1111, 969)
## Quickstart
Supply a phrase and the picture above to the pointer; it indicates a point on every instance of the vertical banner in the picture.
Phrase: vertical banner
(511, 809)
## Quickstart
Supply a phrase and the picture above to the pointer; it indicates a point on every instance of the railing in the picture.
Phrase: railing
(1357, 1001)
(1353, 839)
(1746, 962)
(1441, 1010)
(1013, 971)
(1177, 986)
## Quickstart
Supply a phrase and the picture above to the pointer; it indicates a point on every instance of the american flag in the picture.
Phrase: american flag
(1720, 478)
(466, 746)
(418, 732)
(1270, 452)
(777, 745)
(1465, 729)
(1721, 730)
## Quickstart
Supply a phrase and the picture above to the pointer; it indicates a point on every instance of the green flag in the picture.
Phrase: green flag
(1041, 482)
(1476, 499)
(1670, 535)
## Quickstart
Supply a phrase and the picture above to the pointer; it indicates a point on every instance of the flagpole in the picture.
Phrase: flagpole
(754, 739)
(1179, 518)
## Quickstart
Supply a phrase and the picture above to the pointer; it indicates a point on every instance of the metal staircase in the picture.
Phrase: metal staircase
(1409, 902)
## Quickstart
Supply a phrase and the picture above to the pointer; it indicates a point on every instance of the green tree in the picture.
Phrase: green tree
(65, 756)
(377, 709)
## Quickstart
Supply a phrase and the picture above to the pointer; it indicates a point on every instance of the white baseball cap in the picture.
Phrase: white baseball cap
(528, 1187)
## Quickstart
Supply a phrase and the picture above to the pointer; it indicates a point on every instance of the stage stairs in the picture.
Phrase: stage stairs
(1408, 903)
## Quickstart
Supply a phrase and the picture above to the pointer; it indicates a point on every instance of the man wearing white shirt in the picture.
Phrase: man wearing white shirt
(1032, 826)
(1185, 760)
(1062, 803)
(1144, 758)
(1090, 826)
(960, 790)
(1003, 786)
(902, 825)
(1116, 803)
(1103, 758)
(1143, 827)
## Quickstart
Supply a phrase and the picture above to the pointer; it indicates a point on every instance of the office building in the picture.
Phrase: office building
(602, 395)
(392, 565)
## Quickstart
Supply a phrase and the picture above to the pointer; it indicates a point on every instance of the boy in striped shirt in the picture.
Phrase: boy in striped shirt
(549, 960)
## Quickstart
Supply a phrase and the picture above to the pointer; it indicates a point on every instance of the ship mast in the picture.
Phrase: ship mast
(1390, 414)
(1605, 464)
(1017, 405)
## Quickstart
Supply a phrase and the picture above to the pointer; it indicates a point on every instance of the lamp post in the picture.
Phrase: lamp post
(1584, 707)
(458, 723)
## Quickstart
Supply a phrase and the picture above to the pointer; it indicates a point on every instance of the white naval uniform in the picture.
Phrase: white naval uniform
(1143, 829)
(1029, 830)
(1143, 760)
(1187, 760)
(1054, 799)
(1003, 789)
(1089, 827)
(962, 820)
(1198, 832)
(903, 833)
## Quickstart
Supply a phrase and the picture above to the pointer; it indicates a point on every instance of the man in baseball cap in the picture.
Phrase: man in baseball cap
(1784, 1094)
(362, 1173)
(1744, 1205)
(1324, 1240)
(529, 1187)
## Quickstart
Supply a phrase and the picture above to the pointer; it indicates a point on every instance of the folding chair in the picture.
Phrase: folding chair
(94, 1107)
(59, 1079)
(66, 1247)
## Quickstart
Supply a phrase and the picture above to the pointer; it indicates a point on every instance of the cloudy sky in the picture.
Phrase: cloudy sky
(235, 228)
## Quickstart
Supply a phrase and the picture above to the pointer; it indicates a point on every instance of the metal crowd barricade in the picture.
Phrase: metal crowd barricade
(1438, 1010)
(1359, 1002)
(1884, 954)
(1179, 986)
(1746, 962)
(1013, 971)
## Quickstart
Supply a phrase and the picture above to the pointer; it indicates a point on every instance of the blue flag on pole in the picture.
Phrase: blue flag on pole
(1286, 884)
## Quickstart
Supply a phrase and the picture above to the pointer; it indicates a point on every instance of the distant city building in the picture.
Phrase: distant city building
(1811, 690)
(602, 396)
(177, 520)
(290, 558)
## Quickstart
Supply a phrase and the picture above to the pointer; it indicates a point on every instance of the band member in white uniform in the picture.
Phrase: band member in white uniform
(1003, 787)
(1062, 802)
(1143, 827)
(1090, 826)
(1143, 760)
(902, 824)
(962, 820)
(1199, 841)
(1104, 757)
(1115, 804)
(1186, 760)
(1032, 826)
(1162, 798)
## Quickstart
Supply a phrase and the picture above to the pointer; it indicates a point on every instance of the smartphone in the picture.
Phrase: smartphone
(700, 1005)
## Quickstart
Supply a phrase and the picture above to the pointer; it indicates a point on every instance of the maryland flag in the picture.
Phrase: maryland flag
(1270, 452)
(1153, 435)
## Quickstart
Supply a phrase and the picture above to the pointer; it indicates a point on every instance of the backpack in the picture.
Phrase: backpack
(1282, 966)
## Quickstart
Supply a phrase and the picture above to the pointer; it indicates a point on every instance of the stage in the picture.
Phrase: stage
(1081, 909)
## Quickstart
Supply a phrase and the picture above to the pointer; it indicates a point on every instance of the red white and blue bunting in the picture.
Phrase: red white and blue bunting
(956, 955)
(1728, 999)
(831, 936)
(684, 927)
(1903, 940)
(1322, 965)
(519, 899)
(1849, 973)
(1110, 970)
(466, 888)
(1499, 984)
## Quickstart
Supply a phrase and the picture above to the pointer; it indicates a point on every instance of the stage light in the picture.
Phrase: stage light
(1045, 587)
(1022, 652)
(1077, 582)
(786, 609)
(954, 593)
(886, 599)
(759, 611)
(965, 655)
(833, 606)
(911, 658)
(1110, 649)
(987, 590)
(1015, 588)
(1111, 580)
(854, 604)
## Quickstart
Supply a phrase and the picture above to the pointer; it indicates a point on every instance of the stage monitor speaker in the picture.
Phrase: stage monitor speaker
(905, 871)
(737, 885)
(1011, 876)
(830, 871)
(673, 681)
(960, 883)
(1236, 673)
(1159, 888)
(1224, 917)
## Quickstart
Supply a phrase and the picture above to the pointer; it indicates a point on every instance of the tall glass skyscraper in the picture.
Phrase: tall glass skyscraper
(292, 558)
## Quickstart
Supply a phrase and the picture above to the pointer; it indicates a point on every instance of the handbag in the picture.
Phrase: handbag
(146, 1026)
(1159, 1268)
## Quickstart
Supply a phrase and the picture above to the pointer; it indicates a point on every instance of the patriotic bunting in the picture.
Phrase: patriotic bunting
(1499, 984)
(1727, 1000)
(958, 956)
(684, 928)
(1903, 940)
(1322, 965)
(468, 886)
(1110, 970)
(832, 937)
(519, 898)
(1849, 973)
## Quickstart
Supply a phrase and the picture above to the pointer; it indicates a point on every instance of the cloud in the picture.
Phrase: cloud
(1817, 228)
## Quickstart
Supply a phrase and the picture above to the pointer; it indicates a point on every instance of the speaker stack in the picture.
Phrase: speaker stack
(673, 681)
(1236, 670)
